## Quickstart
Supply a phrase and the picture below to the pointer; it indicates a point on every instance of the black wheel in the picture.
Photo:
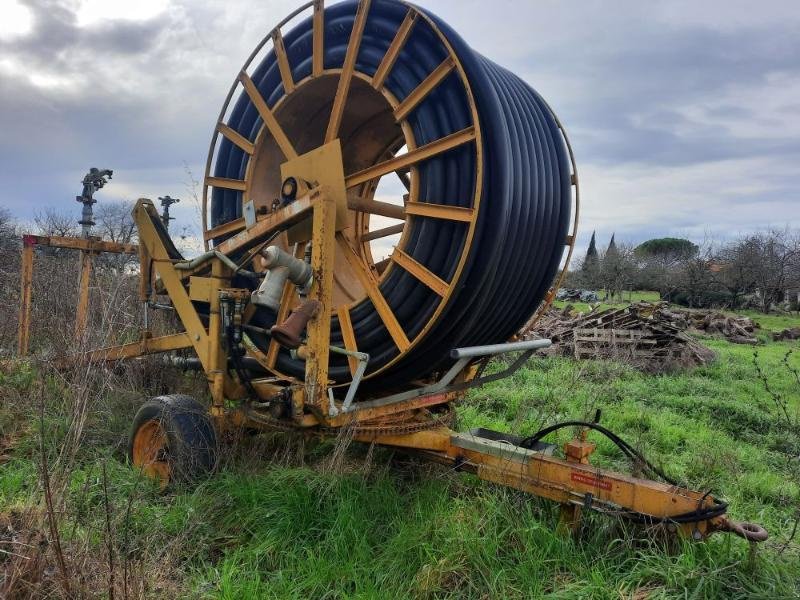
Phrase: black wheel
(172, 439)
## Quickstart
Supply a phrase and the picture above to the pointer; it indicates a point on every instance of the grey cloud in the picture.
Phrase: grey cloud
(640, 87)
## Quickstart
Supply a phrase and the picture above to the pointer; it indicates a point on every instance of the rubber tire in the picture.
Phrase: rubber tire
(191, 440)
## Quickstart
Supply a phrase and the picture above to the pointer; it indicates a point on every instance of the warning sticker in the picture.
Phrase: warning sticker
(588, 479)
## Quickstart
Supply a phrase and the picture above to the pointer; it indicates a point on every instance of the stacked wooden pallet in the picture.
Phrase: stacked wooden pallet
(638, 334)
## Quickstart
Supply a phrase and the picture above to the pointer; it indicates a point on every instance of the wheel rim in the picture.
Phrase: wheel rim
(150, 451)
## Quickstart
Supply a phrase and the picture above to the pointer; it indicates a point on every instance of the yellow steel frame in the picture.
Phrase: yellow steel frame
(316, 219)
(572, 482)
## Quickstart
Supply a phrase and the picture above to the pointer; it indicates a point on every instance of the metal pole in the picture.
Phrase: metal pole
(83, 295)
(24, 325)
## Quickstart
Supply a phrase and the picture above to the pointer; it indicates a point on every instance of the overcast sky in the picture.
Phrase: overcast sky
(684, 115)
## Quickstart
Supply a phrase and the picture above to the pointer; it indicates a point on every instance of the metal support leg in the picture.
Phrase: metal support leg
(83, 295)
(24, 325)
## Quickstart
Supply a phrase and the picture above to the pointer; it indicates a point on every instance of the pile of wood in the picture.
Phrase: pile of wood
(792, 333)
(646, 335)
(735, 328)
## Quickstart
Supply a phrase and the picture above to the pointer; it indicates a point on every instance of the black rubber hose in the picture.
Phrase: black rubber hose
(525, 204)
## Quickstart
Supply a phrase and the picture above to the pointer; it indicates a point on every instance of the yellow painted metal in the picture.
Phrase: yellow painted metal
(224, 182)
(565, 481)
(236, 137)
(417, 95)
(26, 292)
(319, 327)
(359, 235)
(82, 312)
(88, 247)
(381, 233)
(323, 166)
(376, 207)
(411, 157)
(201, 288)
(347, 71)
(370, 285)
(283, 62)
(144, 214)
(379, 78)
(147, 345)
(440, 211)
(282, 218)
(268, 117)
(216, 369)
(348, 335)
(226, 228)
(421, 272)
(318, 41)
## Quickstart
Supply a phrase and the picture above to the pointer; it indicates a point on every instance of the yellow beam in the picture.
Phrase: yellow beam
(439, 211)
(26, 288)
(348, 335)
(394, 50)
(371, 287)
(419, 93)
(165, 343)
(347, 71)
(319, 39)
(230, 227)
(82, 312)
(412, 157)
(283, 62)
(382, 233)
(224, 182)
(237, 138)
(319, 327)
(375, 207)
(269, 119)
(75, 243)
(421, 272)
(282, 218)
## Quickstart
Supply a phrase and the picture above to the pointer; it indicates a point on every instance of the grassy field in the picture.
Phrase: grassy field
(288, 519)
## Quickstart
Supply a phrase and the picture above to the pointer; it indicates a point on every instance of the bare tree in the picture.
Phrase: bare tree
(777, 254)
(54, 223)
(115, 222)
(735, 266)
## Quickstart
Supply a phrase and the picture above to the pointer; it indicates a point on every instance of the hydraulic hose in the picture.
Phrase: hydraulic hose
(525, 201)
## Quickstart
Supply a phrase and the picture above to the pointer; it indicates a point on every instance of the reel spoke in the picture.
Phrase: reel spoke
(347, 71)
(423, 89)
(318, 43)
(236, 138)
(375, 207)
(412, 157)
(369, 284)
(224, 182)
(269, 119)
(348, 335)
(394, 50)
(439, 211)
(382, 233)
(283, 62)
(421, 272)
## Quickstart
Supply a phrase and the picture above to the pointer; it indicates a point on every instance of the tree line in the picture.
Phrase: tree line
(759, 270)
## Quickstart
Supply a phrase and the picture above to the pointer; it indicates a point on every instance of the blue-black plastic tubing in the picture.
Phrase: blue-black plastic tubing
(525, 203)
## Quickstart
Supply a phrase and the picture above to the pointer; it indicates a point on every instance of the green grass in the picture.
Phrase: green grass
(402, 528)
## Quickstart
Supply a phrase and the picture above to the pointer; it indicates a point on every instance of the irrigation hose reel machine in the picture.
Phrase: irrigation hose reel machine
(384, 209)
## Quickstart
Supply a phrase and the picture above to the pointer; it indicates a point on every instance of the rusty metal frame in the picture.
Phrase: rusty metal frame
(88, 247)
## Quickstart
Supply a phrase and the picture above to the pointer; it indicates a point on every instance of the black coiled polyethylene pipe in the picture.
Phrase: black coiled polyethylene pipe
(524, 207)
